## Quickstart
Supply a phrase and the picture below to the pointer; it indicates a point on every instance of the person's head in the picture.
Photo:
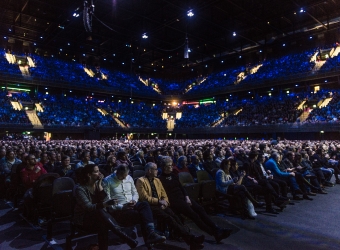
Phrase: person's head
(253, 156)
(166, 164)
(10, 155)
(151, 170)
(44, 158)
(182, 161)
(195, 160)
(304, 155)
(122, 172)
(85, 156)
(121, 155)
(2, 153)
(140, 154)
(208, 155)
(290, 155)
(176, 156)
(199, 154)
(88, 174)
(111, 160)
(226, 165)
(298, 157)
(30, 160)
(65, 161)
(261, 159)
(233, 163)
(52, 156)
(276, 156)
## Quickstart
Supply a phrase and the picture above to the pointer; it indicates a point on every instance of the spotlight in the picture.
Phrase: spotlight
(144, 36)
(190, 13)
(234, 33)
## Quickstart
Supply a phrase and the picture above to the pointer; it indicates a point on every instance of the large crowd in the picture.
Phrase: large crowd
(8, 115)
(72, 111)
(109, 190)
(72, 72)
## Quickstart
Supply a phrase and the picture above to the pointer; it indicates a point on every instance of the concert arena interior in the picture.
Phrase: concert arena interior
(169, 124)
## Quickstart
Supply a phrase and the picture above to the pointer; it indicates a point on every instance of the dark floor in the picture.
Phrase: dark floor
(305, 225)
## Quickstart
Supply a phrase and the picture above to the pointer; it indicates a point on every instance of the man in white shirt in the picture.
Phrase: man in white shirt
(120, 187)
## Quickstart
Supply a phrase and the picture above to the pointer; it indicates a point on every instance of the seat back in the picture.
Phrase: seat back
(202, 175)
(213, 172)
(63, 204)
(208, 192)
(138, 173)
(138, 167)
(42, 189)
(62, 184)
(185, 177)
(193, 190)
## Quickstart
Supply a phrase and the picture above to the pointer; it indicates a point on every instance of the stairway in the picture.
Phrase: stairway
(39, 107)
(170, 124)
(301, 105)
(335, 52)
(304, 115)
(325, 102)
(32, 116)
(16, 105)
(222, 118)
(102, 111)
(119, 122)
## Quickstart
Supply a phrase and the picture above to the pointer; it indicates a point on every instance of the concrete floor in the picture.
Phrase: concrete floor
(305, 225)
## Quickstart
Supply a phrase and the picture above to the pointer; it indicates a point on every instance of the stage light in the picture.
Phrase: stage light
(296, 85)
(68, 44)
(326, 81)
(5, 37)
(41, 37)
(240, 57)
(284, 45)
(83, 54)
(190, 13)
(260, 51)
(61, 49)
(310, 37)
(123, 63)
(234, 33)
(144, 36)
(221, 61)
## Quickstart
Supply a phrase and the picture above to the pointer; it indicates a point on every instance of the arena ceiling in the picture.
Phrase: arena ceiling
(219, 31)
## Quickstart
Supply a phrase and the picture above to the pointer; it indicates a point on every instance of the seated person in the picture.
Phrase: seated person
(181, 203)
(29, 175)
(150, 189)
(120, 186)
(225, 184)
(195, 166)
(91, 200)
(181, 165)
(289, 177)
(85, 159)
(65, 169)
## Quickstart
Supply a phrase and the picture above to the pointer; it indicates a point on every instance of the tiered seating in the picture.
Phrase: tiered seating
(266, 110)
(72, 111)
(8, 115)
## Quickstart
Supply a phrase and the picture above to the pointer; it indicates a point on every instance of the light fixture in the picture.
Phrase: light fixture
(190, 13)
(186, 48)
(284, 45)
(234, 33)
(144, 36)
